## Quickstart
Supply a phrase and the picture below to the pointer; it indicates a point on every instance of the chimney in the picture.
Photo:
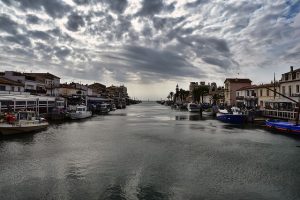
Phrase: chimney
(292, 68)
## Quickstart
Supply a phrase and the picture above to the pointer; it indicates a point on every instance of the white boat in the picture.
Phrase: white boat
(192, 107)
(208, 113)
(113, 107)
(80, 113)
(104, 108)
(22, 122)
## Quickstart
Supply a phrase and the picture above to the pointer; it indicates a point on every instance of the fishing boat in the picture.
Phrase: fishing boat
(104, 108)
(22, 122)
(283, 126)
(235, 117)
(81, 112)
(192, 107)
(208, 112)
(113, 107)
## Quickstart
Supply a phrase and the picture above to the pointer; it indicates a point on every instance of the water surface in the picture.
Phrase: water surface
(149, 151)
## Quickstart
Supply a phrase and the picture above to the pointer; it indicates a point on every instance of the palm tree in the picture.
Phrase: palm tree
(200, 92)
(171, 95)
(216, 98)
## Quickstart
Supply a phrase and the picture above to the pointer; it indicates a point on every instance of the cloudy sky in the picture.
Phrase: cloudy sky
(150, 45)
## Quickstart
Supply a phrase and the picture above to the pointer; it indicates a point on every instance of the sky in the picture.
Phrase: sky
(151, 45)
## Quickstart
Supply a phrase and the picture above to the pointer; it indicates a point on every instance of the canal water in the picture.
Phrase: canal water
(149, 151)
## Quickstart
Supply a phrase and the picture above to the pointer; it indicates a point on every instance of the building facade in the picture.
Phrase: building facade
(9, 86)
(231, 86)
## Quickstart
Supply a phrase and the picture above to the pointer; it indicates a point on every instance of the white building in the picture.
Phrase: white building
(290, 83)
(9, 86)
(29, 82)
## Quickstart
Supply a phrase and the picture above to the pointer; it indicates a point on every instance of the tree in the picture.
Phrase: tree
(171, 95)
(183, 94)
(200, 92)
(216, 98)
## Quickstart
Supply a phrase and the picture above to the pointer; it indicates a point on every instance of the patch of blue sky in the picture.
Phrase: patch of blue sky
(293, 8)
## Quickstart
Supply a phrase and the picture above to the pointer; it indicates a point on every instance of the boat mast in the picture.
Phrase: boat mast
(297, 102)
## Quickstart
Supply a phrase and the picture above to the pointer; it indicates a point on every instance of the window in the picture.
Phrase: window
(283, 90)
(248, 93)
(19, 89)
(261, 92)
(238, 94)
(267, 92)
(290, 90)
(12, 88)
(297, 88)
(2, 87)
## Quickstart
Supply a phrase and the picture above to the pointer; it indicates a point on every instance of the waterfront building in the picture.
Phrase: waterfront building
(25, 101)
(231, 86)
(247, 96)
(117, 92)
(29, 82)
(46, 83)
(67, 90)
(10, 86)
(290, 83)
(97, 89)
(265, 96)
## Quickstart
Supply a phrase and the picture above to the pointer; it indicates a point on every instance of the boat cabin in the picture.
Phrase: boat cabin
(81, 109)
(26, 115)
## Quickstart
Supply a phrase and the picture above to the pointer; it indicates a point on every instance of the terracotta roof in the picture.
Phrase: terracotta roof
(238, 80)
(9, 82)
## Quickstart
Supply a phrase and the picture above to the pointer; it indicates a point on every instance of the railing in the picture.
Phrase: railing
(291, 115)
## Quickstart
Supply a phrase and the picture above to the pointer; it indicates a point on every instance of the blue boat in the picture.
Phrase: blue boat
(283, 126)
(236, 117)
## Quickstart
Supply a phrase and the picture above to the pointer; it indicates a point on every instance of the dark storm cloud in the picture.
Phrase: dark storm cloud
(196, 3)
(117, 5)
(62, 51)
(81, 2)
(39, 35)
(151, 7)
(32, 19)
(54, 8)
(74, 22)
(159, 63)
(8, 25)
(19, 39)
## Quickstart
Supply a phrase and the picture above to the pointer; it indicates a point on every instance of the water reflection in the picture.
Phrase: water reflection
(149, 151)
(191, 117)
(149, 192)
(113, 192)
(26, 139)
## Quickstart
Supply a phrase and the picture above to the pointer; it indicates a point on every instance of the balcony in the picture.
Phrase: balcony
(239, 98)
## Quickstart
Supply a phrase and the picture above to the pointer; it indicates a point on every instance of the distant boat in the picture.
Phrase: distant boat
(104, 108)
(192, 107)
(283, 126)
(22, 122)
(236, 117)
(81, 112)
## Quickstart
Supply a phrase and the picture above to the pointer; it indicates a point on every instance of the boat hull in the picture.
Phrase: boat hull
(283, 126)
(12, 129)
(231, 118)
(207, 113)
(80, 115)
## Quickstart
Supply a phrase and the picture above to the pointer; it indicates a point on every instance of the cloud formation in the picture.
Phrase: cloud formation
(148, 41)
